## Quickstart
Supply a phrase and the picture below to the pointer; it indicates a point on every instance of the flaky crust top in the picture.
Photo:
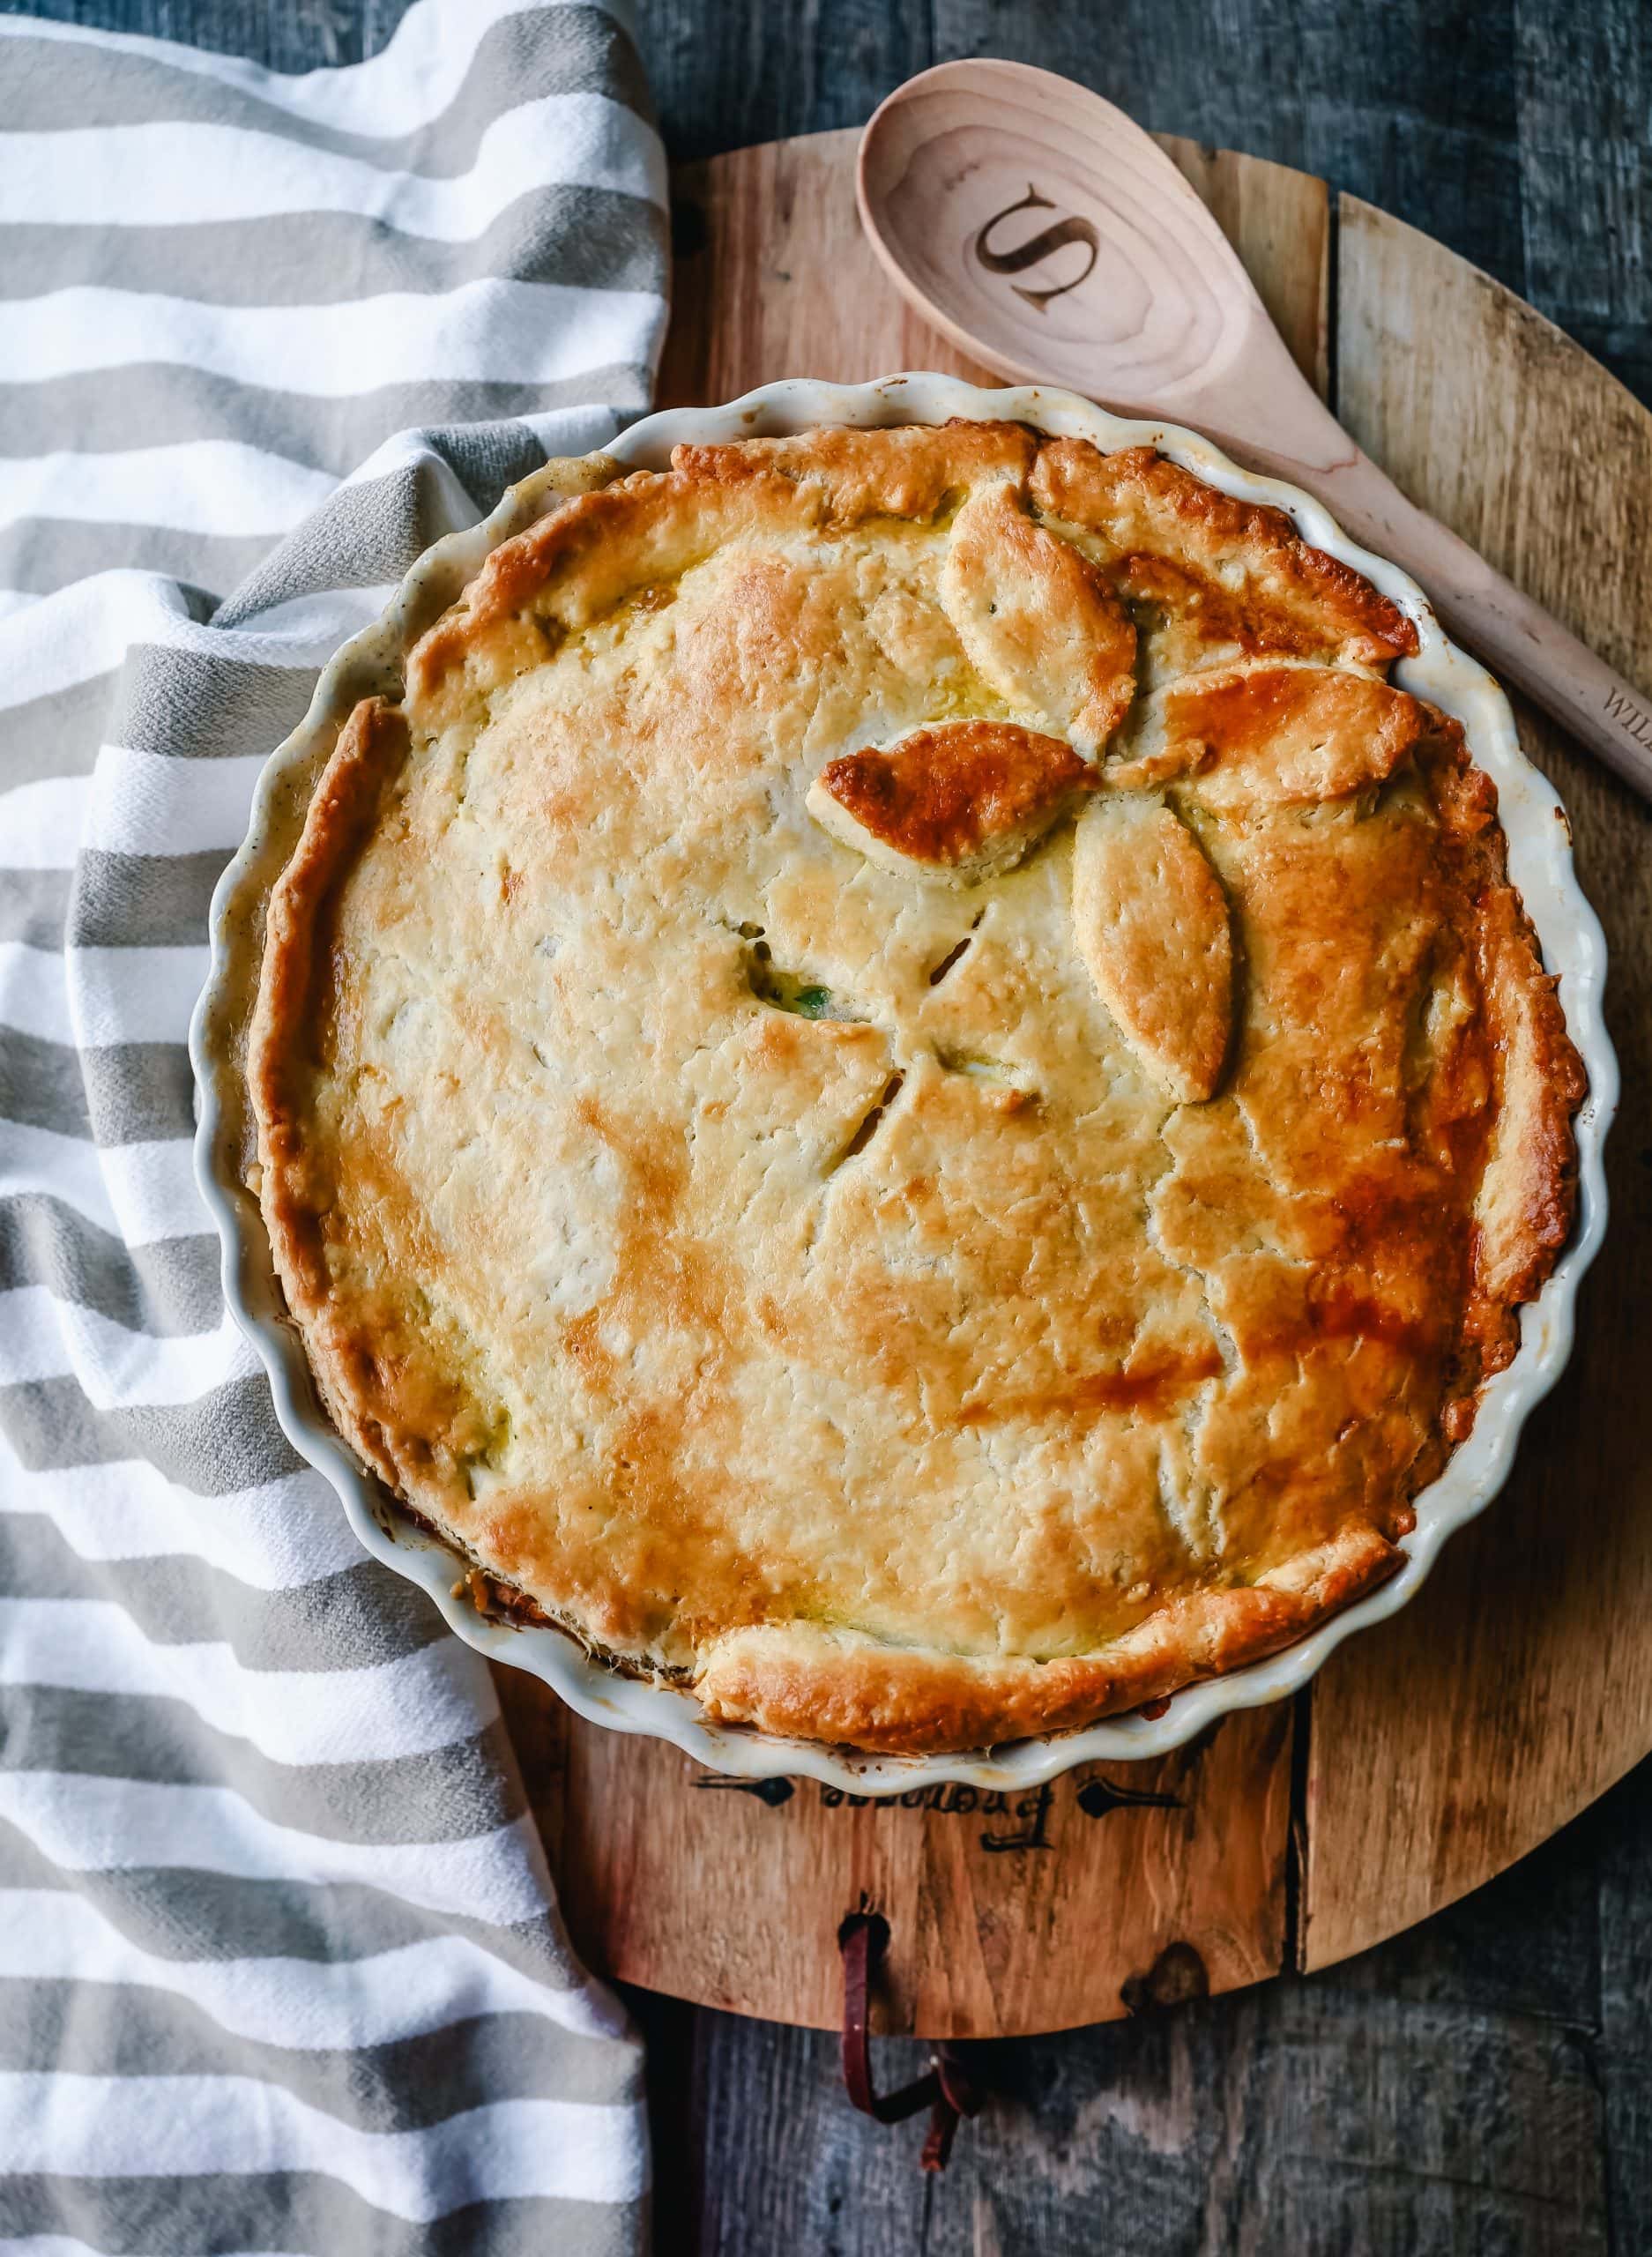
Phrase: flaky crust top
(901, 1088)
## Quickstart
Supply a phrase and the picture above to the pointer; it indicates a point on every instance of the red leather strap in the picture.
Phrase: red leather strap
(959, 2095)
(945, 2086)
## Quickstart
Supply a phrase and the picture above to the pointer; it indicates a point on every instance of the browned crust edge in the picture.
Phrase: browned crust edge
(371, 746)
(1538, 1048)
(847, 1690)
(893, 1701)
(1528, 1187)
(1075, 482)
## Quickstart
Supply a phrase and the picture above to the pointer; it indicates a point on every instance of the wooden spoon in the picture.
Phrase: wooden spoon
(1046, 235)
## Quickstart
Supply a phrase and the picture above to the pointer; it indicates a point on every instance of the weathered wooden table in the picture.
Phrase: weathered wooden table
(1484, 2082)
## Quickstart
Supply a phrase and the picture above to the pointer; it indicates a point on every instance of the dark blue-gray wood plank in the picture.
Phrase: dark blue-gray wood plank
(1517, 131)
(1479, 2086)
(1485, 2084)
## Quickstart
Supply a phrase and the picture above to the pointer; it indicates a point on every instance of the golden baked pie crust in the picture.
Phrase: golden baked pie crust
(893, 1299)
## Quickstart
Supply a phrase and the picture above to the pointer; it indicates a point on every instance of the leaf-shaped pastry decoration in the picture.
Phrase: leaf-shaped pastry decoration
(957, 801)
(1150, 920)
(1036, 619)
(1274, 735)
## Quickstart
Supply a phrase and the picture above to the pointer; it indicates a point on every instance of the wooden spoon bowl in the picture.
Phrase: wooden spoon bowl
(1037, 226)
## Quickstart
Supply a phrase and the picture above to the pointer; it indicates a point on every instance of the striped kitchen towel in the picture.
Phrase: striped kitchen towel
(280, 1968)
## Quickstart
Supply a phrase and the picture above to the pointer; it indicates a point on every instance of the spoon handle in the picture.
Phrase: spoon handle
(1477, 606)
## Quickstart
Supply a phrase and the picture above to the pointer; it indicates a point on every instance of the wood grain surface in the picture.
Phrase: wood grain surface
(1519, 1685)
(1431, 1753)
(1480, 2083)
(1029, 1912)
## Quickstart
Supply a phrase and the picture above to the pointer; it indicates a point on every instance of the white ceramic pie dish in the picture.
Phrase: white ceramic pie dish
(1540, 863)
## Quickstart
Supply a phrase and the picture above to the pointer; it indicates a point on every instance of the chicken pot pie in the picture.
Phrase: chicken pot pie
(901, 1089)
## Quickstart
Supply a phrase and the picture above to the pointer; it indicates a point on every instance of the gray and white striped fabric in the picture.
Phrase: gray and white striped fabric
(280, 1968)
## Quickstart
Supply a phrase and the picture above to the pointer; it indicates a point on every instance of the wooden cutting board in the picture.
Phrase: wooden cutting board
(1433, 1751)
